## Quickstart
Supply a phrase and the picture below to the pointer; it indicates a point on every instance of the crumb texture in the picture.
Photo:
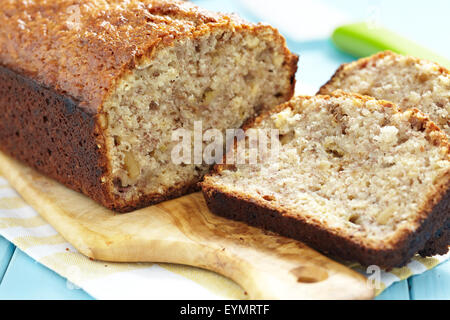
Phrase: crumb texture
(352, 165)
(220, 79)
(406, 81)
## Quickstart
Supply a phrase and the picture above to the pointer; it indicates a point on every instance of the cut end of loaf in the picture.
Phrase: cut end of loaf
(356, 178)
(221, 78)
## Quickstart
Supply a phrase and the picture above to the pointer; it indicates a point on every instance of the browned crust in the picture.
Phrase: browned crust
(84, 48)
(146, 200)
(52, 134)
(395, 253)
(439, 243)
(254, 213)
(292, 67)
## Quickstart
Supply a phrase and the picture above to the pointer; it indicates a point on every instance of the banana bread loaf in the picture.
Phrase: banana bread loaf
(410, 83)
(90, 91)
(354, 177)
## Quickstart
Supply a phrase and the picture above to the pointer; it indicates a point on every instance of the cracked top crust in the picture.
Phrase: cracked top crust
(82, 47)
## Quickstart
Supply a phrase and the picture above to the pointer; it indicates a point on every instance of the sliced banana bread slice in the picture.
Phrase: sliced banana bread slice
(410, 83)
(354, 177)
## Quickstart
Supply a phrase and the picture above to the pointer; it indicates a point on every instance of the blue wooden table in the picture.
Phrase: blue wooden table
(23, 278)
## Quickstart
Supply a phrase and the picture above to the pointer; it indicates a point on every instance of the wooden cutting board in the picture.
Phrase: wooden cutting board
(183, 231)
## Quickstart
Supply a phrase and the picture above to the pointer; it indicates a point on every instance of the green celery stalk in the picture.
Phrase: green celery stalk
(362, 39)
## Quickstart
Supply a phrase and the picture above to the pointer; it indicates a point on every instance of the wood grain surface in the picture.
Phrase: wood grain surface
(183, 231)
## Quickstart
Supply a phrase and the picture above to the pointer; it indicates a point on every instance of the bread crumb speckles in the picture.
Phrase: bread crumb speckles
(196, 76)
(388, 136)
(406, 81)
(354, 164)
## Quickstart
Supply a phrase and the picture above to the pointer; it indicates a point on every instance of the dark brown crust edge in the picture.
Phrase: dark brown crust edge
(432, 217)
(236, 208)
(52, 133)
(439, 243)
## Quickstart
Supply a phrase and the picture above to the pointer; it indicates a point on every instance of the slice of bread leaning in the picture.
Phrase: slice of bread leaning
(355, 178)
(410, 83)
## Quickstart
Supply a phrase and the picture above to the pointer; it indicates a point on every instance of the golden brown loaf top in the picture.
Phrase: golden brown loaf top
(81, 47)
